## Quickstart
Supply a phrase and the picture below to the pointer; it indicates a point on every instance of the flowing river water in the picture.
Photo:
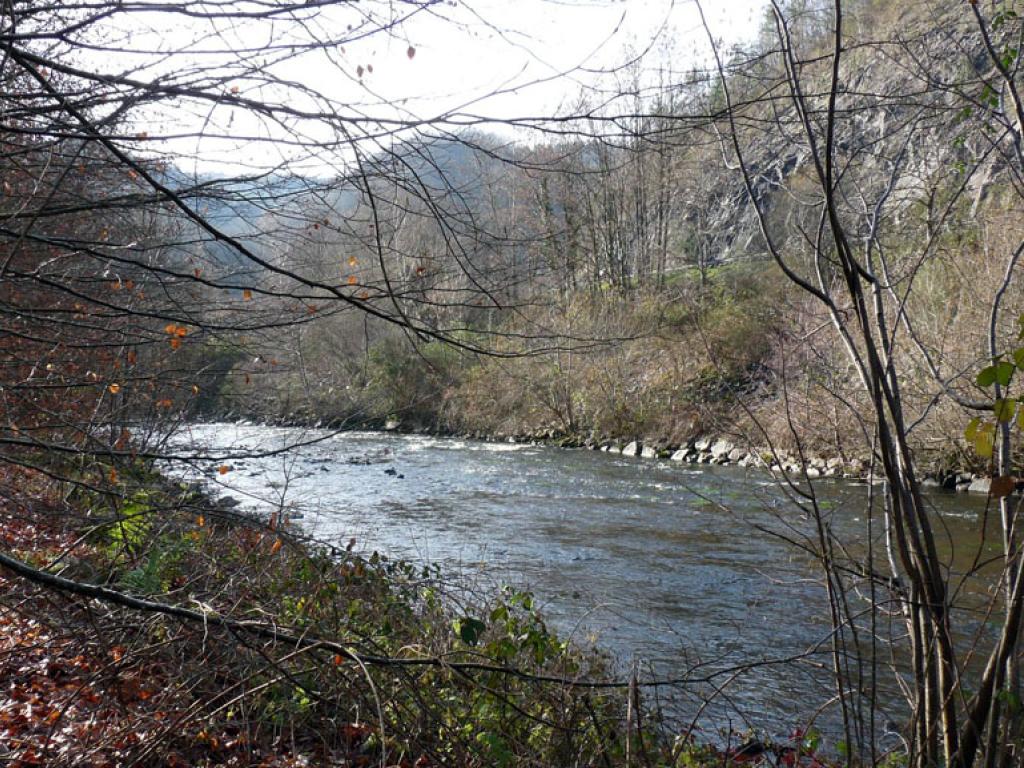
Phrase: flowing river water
(670, 565)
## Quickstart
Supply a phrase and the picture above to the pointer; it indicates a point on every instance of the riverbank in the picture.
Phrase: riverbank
(703, 450)
(253, 645)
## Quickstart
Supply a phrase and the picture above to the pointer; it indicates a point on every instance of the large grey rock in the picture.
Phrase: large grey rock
(649, 452)
(631, 449)
(737, 454)
(702, 444)
(680, 455)
(721, 448)
(980, 485)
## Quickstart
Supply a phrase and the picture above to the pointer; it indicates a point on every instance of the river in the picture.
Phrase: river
(658, 562)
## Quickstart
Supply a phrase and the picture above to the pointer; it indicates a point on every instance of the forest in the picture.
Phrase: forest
(797, 253)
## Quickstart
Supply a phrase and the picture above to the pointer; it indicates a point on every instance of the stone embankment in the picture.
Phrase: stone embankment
(721, 451)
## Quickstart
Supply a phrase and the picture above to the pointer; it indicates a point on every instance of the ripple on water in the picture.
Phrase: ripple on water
(636, 552)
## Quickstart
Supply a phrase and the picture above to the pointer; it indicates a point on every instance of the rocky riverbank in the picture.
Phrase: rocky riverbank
(708, 449)
(723, 451)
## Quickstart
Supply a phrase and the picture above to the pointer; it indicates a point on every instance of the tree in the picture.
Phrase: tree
(852, 267)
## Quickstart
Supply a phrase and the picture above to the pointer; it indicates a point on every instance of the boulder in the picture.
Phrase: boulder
(737, 455)
(702, 444)
(631, 449)
(680, 455)
(980, 485)
(721, 449)
(649, 452)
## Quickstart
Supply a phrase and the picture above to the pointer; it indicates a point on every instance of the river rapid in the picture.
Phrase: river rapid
(675, 567)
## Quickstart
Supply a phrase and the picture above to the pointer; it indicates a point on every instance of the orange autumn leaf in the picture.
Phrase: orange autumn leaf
(352, 280)
(200, 521)
(276, 547)
(223, 469)
(113, 475)
(114, 388)
(132, 357)
(181, 331)
(246, 295)
(338, 659)
(352, 261)
(175, 343)
(170, 328)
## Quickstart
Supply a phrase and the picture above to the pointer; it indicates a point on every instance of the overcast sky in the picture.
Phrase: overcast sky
(542, 50)
(494, 58)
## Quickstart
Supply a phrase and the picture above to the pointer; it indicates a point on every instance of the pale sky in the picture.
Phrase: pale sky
(494, 58)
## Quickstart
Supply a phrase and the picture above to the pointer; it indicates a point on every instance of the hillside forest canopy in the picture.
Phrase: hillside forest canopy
(804, 241)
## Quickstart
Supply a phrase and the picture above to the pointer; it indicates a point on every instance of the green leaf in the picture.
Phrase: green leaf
(1020, 419)
(972, 429)
(469, 629)
(1000, 373)
(1018, 358)
(985, 440)
(1004, 409)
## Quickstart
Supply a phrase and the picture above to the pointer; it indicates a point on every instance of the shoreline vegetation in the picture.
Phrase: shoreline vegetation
(150, 624)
